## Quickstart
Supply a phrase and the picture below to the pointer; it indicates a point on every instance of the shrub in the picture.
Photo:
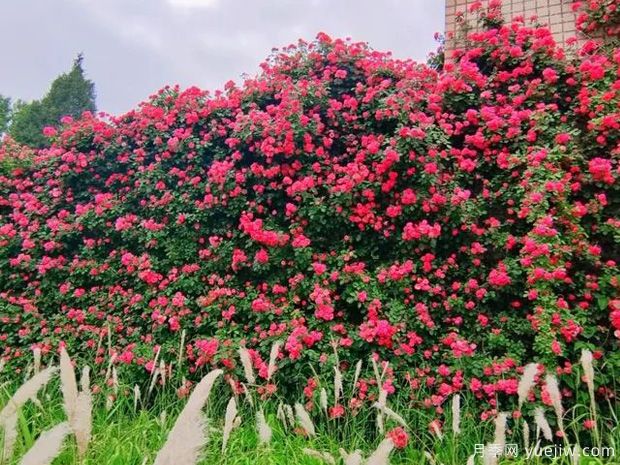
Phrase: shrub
(460, 223)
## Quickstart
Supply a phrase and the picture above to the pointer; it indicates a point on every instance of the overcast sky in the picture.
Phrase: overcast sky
(134, 47)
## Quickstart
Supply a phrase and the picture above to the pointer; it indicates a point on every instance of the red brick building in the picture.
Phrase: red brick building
(557, 14)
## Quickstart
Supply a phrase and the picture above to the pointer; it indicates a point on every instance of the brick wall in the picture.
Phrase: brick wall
(557, 14)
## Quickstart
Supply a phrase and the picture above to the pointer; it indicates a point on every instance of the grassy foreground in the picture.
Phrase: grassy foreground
(130, 427)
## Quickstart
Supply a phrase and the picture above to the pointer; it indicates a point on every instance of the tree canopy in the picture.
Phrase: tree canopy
(70, 94)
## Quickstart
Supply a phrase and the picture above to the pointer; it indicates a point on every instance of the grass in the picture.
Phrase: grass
(130, 433)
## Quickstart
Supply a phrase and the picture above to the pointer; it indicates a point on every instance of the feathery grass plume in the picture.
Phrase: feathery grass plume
(323, 399)
(382, 402)
(154, 376)
(273, 358)
(47, 447)
(264, 430)
(246, 362)
(36, 354)
(324, 456)
(25, 392)
(338, 389)
(356, 376)
(229, 420)
(290, 416)
(556, 399)
(82, 428)
(115, 384)
(27, 373)
(280, 415)
(353, 458)
(136, 397)
(77, 405)
(382, 394)
(82, 423)
(68, 385)
(109, 402)
(500, 430)
(456, 414)
(490, 455)
(162, 371)
(10, 437)
(304, 419)
(385, 369)
(542, 424)
(154, 373)
(588, 370)
(381, 455)
(526, 435)
(2, 364)
(391, 414)
(471, 460)
(181, 348)
(187, 436)
(527, 382)
(108, 371)
(576, 454)
(375, 369)
(248, 396)
(85, 379)
(429, 457)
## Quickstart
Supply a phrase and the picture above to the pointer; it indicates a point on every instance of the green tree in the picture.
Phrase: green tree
(70, 94)
(5, 113)
(27, 123)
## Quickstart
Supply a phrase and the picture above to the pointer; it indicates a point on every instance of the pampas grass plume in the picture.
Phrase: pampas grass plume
(264, 431)
(187, 436)
(273, 358)
(229, 421)
(25, 392)
(382, 453)
(324, 456)
(353, 458)
(556, 399)
(10, 437)
(36, 354)
(542, 424)
(323, 399)
(527, 382)
(47, 447)
(456, 414)
(338, 389)
(304, 419)
(246, 362)
(68, 385)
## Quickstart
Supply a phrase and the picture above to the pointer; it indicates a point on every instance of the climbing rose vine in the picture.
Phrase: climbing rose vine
(459, 223)
(598, 16)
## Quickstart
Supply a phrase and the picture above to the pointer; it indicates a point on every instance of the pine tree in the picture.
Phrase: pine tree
(70, 94)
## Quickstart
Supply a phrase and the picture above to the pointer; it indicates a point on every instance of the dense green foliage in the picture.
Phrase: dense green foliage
(5, 113)
(70, 94)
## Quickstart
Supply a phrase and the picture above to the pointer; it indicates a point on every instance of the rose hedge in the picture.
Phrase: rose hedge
(458, 223)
